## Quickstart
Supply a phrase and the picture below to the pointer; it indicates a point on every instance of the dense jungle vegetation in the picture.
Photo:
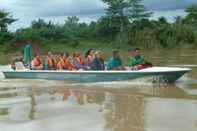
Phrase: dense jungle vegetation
(125, 24)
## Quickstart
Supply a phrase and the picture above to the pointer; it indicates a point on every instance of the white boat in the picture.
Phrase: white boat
(168, 74)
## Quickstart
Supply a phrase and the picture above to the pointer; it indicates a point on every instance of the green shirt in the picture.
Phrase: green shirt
(137, 60)
(28, 54)
(114, 63)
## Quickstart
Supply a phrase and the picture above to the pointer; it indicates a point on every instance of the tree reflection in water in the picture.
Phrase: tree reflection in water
(122, 109)
(123, 112)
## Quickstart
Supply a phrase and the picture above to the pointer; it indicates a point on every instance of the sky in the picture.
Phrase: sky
(88, 10)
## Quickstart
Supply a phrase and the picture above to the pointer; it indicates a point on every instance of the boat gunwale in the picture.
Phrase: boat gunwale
(100, 72)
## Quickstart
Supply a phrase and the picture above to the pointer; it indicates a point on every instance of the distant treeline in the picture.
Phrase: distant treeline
(126, 23)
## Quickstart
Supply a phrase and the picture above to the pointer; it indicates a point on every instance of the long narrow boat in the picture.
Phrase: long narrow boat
(169, 74)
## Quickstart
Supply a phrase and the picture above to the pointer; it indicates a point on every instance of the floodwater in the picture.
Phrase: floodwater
(139, 105)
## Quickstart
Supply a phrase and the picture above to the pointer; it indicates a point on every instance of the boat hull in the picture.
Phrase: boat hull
(96, 76)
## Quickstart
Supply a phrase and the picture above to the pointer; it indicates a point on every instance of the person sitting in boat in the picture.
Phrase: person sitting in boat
(115, 63)
(36, 63)
(61, 64)
(17, 63)
(50, 62)
(78, 61)
(89, 58)
(98, 62)
(69, 64)
(136, 60)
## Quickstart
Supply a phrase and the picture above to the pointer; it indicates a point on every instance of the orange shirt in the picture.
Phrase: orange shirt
(51, 62)
(61, 64)
(37, 61)
(69, 65)
(80, 60)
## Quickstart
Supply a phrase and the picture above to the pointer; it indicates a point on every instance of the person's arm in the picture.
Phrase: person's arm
(13, 65)
(130, 62)
(102, 65)
(94, 65)
(109, 65)
(140, 60)
(32, 65)
(137, 61)
(121, 67)
(41, 67)
(121, 64)
(143, 60)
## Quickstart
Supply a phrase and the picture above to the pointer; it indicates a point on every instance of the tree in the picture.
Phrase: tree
(72, 22)
(116, 16)
(71, 26)
(40, 23)
(178, 20)
(137, 11)
(5, 20)
(191, 17)
(115, 7)
(106, 30)
(122, 12)
(131, 9)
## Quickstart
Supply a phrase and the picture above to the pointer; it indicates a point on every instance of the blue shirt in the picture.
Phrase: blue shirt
(98, 64)
(114, 63)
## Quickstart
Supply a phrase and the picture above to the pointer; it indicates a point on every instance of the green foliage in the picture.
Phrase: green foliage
(137, 11)
(191, 18)
(5, 36)
(126, 24)
(5, 20)
(106, 30)
(121, 14)
(130, 9)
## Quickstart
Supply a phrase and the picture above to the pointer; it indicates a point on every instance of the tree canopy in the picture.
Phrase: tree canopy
(126, 23)
(5, 20)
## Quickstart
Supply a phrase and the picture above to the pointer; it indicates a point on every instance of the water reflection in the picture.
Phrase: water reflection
(109, 109)
(123, 112)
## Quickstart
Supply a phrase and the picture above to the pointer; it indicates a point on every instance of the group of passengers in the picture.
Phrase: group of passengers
(93, 60)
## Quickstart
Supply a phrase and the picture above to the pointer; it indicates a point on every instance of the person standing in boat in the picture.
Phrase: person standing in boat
(115, 63)
(50, 62)
(36, 63)
(27, 55)
(98, 62)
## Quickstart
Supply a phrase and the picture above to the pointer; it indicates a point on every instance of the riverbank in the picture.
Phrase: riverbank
(57, 47)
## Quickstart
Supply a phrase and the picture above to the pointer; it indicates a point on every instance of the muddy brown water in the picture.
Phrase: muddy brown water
(138, 105)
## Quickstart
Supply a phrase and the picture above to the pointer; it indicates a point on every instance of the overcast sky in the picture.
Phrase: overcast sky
(87, 10)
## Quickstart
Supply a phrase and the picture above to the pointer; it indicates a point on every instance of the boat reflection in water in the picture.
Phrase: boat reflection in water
(100, 107)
